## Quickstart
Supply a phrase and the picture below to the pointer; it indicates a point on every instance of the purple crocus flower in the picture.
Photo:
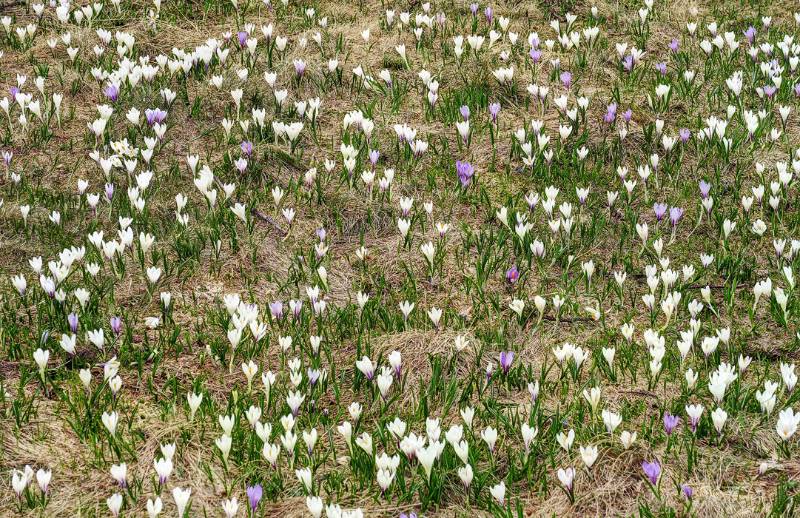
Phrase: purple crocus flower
(611, 113)
(684, 135)
(116, 325)
(512, 275)
(566, 78)
(72, 319)
(797, 89)
(13, 91)
(675, 214)
(254, 494)
(506, 357)
(109, 191)
(494, 109)
(474, 8)
(112, 92)
(536, 54)
(661, 68)
(154, 116)
(276, 309)
(374, 155)
(687, 490)
(242, 37)
(750, 34)
(321, 233)
(627, 115)
(705, 188)
(489, 14)
(299, 67)
(670, 422)
(247, 148)
(770, 90)
(674, 45)
(627, 63)
(465, 172)
(660, 210)
(464, 110)
(409, 515)
(652, 471)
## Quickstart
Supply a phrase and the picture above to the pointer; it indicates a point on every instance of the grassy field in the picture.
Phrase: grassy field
(367, 258)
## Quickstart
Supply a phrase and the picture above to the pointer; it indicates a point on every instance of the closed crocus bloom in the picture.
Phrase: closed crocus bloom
(314, 505)
(110, 421)
(194, 400)
(43, 477)
(249, 369)
(592, 396)
(719, 417)
(489, 436)
(566, 477)
(19, 283)
(119, 472)
(366, 367)
(589, 455)
(85, 376)
(181, 497)
(652, 471)
(435, 314)
(163, 469)
(224, 443)
(364, 441)
(499, 493)
(310, 439)
(96, 337)
(254, 494)
(114, 503)
(670, 422)
(467, 414)
(465, 474)
(384, 384)
(41, 356)
(226, 422)
(395, 360)
(694, 412)
(270, 453)
(627, 439)
(168, 450)
(454, 434)
(426, 457)
(384, 479)
(304, 476)
(19, 481)
(346, 431)
(153, 274)
(230, 507)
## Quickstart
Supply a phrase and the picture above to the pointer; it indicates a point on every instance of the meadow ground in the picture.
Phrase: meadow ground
(332, 258)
